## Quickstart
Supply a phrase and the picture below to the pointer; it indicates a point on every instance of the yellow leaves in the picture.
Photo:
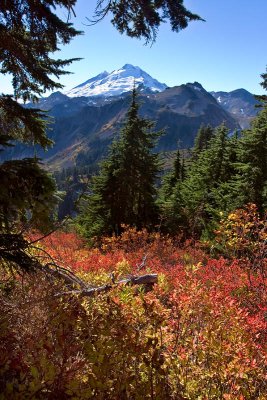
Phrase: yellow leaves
(34, 372)
(192, 268)
(232, 217)
(187, 338)
(9, 388)
(163, 283)
(50, 372)
(243, 234)
(123, 267)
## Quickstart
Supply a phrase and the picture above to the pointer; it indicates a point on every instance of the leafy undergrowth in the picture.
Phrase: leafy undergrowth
(200, 333)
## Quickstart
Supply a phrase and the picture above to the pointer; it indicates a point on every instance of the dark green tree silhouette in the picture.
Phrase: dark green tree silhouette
(141, 19)
(206, 189)
(202, 140)
(251, 178)
(124, 191)
(170, 199)
(30, 32)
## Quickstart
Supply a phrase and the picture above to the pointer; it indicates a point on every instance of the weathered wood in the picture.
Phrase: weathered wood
(52, 269)
(149, 279)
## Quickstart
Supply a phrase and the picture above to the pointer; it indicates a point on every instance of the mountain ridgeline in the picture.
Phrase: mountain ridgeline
(89, 116)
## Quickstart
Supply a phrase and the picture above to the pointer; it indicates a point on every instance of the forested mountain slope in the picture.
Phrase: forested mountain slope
(83, 127)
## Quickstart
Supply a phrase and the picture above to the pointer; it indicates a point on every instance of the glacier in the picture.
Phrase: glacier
(117, 82)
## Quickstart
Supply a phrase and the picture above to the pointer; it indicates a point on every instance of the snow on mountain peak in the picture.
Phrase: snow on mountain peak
(115, 83)
(100, 76)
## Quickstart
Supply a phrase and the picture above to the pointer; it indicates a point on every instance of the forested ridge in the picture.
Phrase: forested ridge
(155, 288)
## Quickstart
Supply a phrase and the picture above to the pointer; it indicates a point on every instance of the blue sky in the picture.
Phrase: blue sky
(226, 52)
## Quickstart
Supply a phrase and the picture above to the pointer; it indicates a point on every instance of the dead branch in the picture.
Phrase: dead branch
(147, 280)
(66, 275)
(143, 263)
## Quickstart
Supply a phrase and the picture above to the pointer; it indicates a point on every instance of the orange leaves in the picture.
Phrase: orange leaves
(199, 334)
(243, 234)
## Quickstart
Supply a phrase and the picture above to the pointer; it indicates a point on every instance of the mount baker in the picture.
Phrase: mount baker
(119, 81)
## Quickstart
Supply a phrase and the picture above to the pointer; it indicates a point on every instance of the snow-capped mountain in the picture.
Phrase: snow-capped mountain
(240, 103)
(117, 82)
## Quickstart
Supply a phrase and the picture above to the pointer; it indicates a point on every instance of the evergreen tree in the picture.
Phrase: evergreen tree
(263, 98)
(170, 198)
(202, 140)
(225, 195)
(179, 167)
(124, 192)
(205, 192)
(29, 32)
(177, 174)
(142, 19)
(251, 179)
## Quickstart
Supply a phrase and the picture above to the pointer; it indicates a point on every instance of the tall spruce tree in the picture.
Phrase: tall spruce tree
(177, 174)
(205, 189)
(30, 31)
(202, 140)
(251, 177)
(124, 191)
(170, 199)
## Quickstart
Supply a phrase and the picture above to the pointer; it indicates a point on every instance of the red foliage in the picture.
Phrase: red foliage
(224, 280)
(212, 311)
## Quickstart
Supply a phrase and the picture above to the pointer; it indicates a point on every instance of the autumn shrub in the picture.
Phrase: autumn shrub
(108, 347)
(39, 353)
(219, 356)
(200, 333)
(243, 235)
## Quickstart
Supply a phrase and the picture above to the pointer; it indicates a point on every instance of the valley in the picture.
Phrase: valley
(87, 118)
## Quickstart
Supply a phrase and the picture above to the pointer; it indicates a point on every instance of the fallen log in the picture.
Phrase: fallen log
(147, 280)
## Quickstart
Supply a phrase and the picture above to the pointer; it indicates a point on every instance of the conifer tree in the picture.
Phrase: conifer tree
(251, 178)
(170, 198)
(202, 140)
(30, 31)
(124, 191)
(204, 190)
(177, 174)
(141, 19)
(179, 167)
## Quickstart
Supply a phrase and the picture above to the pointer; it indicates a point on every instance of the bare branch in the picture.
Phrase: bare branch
(143, 263)
(62, 273)
(149, 280)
